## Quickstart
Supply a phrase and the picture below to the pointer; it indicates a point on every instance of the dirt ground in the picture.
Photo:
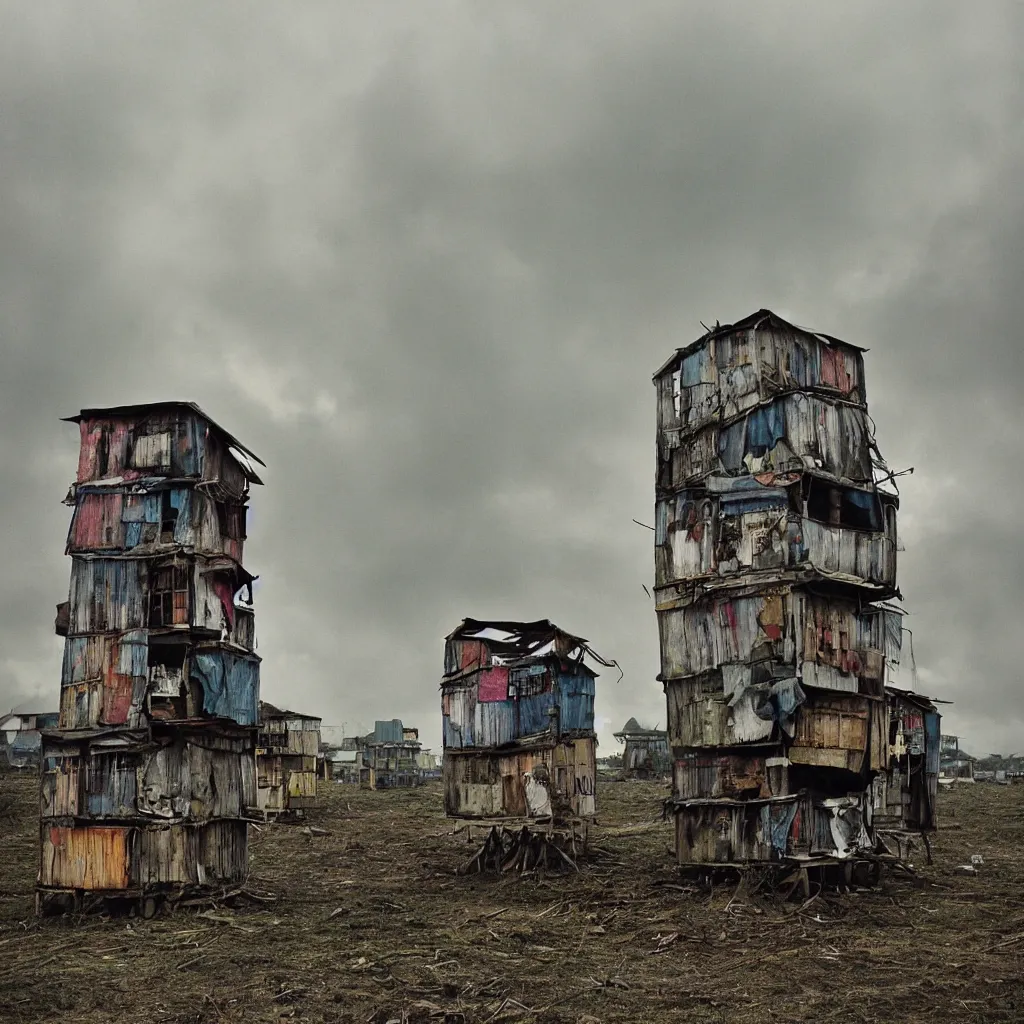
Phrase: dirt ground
(369, 924)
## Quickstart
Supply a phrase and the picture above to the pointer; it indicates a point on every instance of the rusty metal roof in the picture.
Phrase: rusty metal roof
(268, 710)
(125, 411)
(535, 639)
(755, 320)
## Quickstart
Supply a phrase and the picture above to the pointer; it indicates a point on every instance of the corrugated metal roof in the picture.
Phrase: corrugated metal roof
(121, 411)
(268, 710)
(388, 732)
(754, 320)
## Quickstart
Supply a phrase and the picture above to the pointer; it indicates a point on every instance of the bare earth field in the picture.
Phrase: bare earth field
(370, 924)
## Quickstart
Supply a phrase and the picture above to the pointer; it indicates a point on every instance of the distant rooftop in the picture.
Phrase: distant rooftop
(634, 728)
(268, 710)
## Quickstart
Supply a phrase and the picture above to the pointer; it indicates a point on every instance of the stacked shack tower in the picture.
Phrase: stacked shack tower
(149, 781)
(775, 550)
(517, 704)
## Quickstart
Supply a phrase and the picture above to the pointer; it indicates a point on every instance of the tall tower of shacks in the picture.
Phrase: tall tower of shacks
(150, 778)
(775, 550)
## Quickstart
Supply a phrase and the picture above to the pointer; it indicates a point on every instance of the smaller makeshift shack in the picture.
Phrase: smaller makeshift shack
(955, 765)
(344, 766)
(517, 703)
(904, 794)
(646, 754)
(286, 762)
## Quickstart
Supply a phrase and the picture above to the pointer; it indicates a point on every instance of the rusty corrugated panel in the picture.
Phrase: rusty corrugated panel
(94, 858)
(97, 524)
(107, 595)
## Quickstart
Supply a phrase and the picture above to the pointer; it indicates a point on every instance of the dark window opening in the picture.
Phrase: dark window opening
(168, 655)
(168, 513)
(521, 683)
(168, 597)
(824, 782)
(842, 506)
(102, 454)
(231, 520)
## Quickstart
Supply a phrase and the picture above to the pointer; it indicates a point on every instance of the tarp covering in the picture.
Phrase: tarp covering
(230, 684)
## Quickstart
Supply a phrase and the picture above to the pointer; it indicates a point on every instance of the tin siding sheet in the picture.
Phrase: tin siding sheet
(59, 789)
(107, 595)
(729, 834)
(103, 680)
(194, 782)
(215, 853)
(705, 774)
(117, 437)
(694, 640)
(696, 720)
(584, 777)
(81, 705)
(576, 701)
(110, 786)
(459, 720)
(794, 433)
(734, 371)
(827, 642)
(96, 524)
(529, 715)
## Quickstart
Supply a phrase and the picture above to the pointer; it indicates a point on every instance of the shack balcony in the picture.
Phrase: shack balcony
(154, 519)
(735, 641)
(208, 596)
(741, 533)
(138, 779)
(126, 680)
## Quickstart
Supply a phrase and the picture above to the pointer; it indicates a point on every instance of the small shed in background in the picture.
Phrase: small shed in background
(646, 754)
(390, 756)
(21, 735)
(955, 765)
(286, 762)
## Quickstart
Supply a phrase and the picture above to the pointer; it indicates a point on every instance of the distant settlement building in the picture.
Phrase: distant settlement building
(287, 747)
(517, 701)
(149, 781)
(646, 754)
(21, 736)
(955, 765)
(391, 756)
(775, 548)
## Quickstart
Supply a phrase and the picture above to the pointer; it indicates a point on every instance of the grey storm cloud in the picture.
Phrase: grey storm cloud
(424, 258)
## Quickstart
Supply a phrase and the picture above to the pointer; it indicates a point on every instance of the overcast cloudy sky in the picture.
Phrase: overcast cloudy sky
(423, 257)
